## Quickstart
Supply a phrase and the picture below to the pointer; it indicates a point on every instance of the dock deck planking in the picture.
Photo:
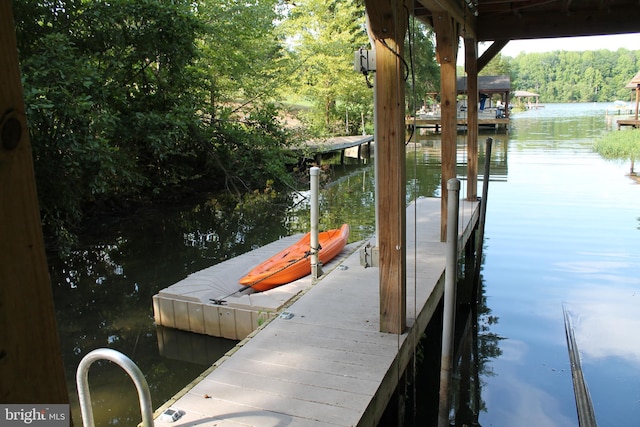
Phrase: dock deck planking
(328, 365)
(186, 305)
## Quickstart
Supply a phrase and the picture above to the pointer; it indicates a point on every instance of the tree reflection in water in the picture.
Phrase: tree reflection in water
(103, 288)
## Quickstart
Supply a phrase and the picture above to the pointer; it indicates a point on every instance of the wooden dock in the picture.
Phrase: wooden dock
(628, 122)
(187, 305)
(323, 361)
(316, 148)
(436, 122)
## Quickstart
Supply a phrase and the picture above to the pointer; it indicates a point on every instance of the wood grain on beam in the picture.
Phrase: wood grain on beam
(446, 29)
(391, 164)
(456, 9)
(31, 369)
(546, 25)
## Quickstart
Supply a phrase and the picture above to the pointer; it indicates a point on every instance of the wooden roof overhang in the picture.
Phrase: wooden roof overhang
(634, 83)
(493, 20)
(475, 21)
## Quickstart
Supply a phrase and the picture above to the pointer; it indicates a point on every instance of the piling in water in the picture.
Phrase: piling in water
(586, 415)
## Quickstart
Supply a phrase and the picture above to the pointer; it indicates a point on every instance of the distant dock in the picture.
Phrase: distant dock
(435, 122)
(318, 147)
(321, 360)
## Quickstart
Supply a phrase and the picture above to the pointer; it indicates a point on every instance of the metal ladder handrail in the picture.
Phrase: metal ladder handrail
(82, 382)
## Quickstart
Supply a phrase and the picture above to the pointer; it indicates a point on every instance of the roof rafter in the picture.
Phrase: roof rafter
(460, 11)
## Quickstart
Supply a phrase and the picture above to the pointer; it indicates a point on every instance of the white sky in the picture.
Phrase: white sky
(613, 43)
(580, 44)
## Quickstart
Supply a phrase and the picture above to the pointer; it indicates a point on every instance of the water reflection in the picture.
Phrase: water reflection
(103, 291)
(562, 227)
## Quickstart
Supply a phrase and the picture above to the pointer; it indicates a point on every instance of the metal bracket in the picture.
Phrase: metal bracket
(364, 60)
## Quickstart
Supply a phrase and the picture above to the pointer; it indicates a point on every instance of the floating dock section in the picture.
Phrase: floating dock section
(435, 123)
(342, 144)
(187, 305)
(322, 360)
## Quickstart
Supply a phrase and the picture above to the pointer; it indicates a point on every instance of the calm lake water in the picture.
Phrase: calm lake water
(563, 227)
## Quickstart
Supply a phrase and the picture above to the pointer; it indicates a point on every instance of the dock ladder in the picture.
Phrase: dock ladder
(82, 382)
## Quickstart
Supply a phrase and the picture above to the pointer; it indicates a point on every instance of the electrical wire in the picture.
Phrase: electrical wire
(414, 343)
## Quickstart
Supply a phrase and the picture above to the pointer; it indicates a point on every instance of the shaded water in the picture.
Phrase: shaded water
(562, 227)
(103, 289)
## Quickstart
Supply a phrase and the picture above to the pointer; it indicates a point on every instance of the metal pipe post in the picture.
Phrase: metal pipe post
(316, 268)
(82, 382)
(483, 209)
(449, 310)
(485, 185)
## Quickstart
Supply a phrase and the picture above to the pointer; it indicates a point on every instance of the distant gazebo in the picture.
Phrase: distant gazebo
(524, 97)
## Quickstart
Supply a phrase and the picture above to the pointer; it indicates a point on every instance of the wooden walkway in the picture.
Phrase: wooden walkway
(339, 143)
(324, 362)
(435, 122)
(628, 122)
(187, 304)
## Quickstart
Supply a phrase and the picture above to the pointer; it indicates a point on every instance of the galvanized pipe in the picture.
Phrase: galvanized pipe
(449, 309)
(316, 270)
(82, 382)
(584, 405)
(483, 210)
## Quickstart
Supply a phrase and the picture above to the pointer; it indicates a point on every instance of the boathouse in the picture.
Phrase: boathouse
(30, 350)
(493, 105)
(530, 100)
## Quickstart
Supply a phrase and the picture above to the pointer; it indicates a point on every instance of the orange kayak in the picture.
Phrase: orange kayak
(294, 262)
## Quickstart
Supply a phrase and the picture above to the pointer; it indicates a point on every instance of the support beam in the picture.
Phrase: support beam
(388, 25)
(471, 67)
(490, 53)
(551, 24)
(456, 9)
(446, 30)
(30, 358)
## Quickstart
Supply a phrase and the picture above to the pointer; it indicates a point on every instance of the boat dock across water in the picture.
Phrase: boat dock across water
(321, 359)
(358, 146)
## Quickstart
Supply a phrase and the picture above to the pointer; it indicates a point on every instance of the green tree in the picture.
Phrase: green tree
(498, 66)
(621, 146)
(323, 36)
(425, 68)
(576, 76)
(242, 53)
(115, 95)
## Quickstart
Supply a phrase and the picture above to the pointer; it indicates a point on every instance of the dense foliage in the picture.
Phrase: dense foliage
(122, 102)
(322, 38)
(559, 76)
(137, 100)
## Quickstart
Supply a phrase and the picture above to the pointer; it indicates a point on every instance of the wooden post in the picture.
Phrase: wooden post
(471, 66)
(31, 369)
(637, 99)
(447, 53)
(387, 21)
